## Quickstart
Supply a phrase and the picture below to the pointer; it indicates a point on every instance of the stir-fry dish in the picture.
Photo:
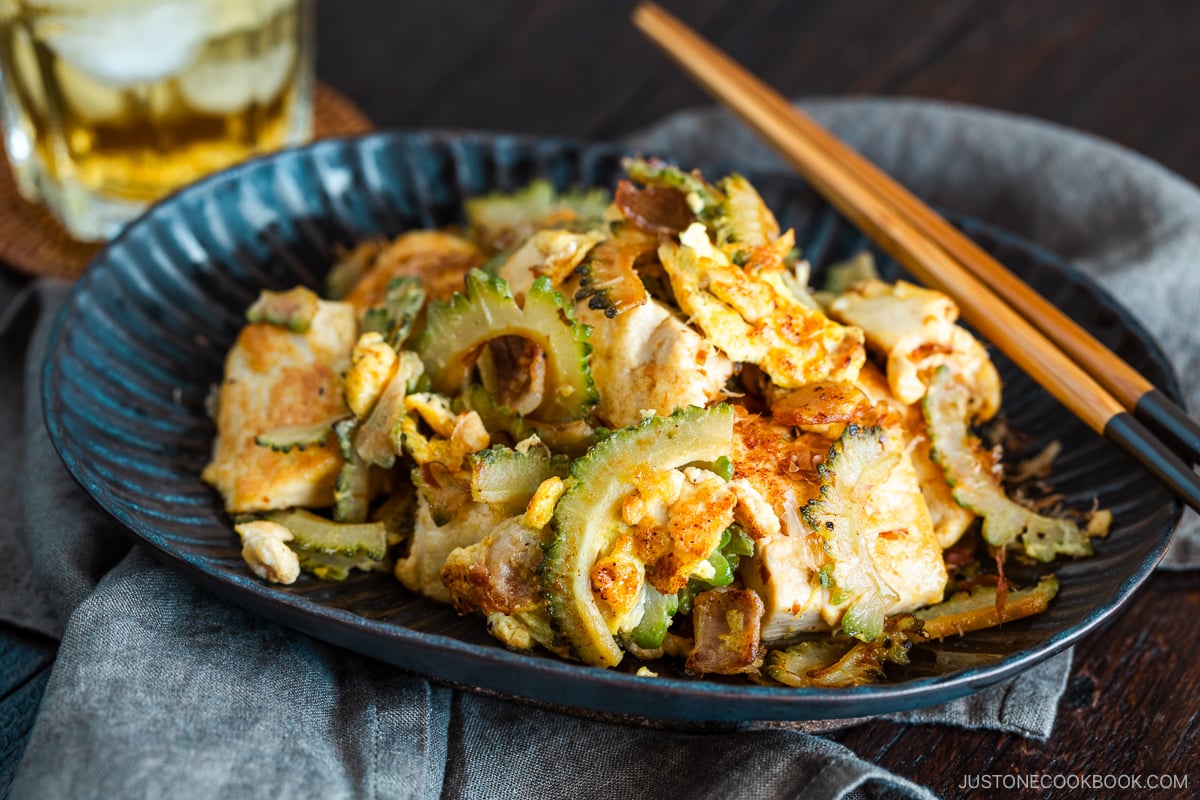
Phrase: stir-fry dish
(622, 429)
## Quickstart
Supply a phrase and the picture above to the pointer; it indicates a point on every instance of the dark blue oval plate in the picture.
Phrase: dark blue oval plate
(143, 337)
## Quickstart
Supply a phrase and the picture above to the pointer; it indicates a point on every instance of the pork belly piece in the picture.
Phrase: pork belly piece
(275, 378)
(499, 574)
(728, 632)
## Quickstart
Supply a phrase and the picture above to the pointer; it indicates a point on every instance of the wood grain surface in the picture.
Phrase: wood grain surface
(1122, 70)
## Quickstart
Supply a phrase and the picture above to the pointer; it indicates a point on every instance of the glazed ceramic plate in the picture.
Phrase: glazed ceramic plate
(142, 339)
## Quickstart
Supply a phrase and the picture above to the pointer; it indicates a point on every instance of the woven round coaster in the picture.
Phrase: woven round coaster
(33, 241)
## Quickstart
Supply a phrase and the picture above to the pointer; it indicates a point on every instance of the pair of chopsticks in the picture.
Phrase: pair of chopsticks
(1107, 394)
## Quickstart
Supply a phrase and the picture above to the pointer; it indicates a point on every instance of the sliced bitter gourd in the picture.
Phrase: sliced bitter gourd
(330, 550)
(791, 666)
(858, 462)
(965, 612)
(320, 535)
(296, 437)
(396, 317)
(456, 330)
(503, 476)
(350, 493)
(607, 278)
(745, 222)
(858, 665)
(587, 520)
(976, 487)
(571, 438)
(293, 309)
(499, 221)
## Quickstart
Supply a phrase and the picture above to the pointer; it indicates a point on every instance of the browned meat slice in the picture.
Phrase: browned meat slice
(728, 632)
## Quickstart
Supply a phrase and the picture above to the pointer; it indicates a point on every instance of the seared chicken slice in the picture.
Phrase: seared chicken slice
(275, 379)
(914, 328)
(645, 360)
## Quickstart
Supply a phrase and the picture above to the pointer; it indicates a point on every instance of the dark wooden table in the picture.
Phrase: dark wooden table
(1122, 70)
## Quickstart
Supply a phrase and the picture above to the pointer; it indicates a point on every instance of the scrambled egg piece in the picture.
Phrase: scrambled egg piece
(372, 364)
(645, 360)
(273, 379)
(753, 317)
(915, 329)
(541, 505)
(457, 435)
(677, 519)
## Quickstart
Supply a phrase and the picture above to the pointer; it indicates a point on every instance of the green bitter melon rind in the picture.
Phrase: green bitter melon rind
(293, 309)
(857, 460)
(319, 535)
(350, 499)
(455, 330)
(703, 198)
(503, 476)
(975, 487)
(502, 220)
(587, 519)
(744, 220)
(395, 318)
(296, 437)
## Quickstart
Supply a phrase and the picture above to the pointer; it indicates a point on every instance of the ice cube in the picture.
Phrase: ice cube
(28, 75)
(87, 97)
(240, 15)
(132, 46)
(224, 85)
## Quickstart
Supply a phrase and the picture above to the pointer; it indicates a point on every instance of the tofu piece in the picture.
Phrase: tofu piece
(552, 253)
(950, 520)
(441, 260)
(914, 328)
(785, 568)
(275, 378)
(421, 570)
(647, 360)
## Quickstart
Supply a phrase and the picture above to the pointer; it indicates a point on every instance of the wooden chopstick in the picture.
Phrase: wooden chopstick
(838, 173)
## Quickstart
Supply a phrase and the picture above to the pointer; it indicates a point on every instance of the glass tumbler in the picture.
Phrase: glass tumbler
(108, 105)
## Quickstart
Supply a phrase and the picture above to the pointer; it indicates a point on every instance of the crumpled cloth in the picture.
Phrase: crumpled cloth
(161, 690)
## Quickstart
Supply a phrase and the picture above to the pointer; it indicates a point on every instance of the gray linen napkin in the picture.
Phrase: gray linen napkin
(163, 691)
